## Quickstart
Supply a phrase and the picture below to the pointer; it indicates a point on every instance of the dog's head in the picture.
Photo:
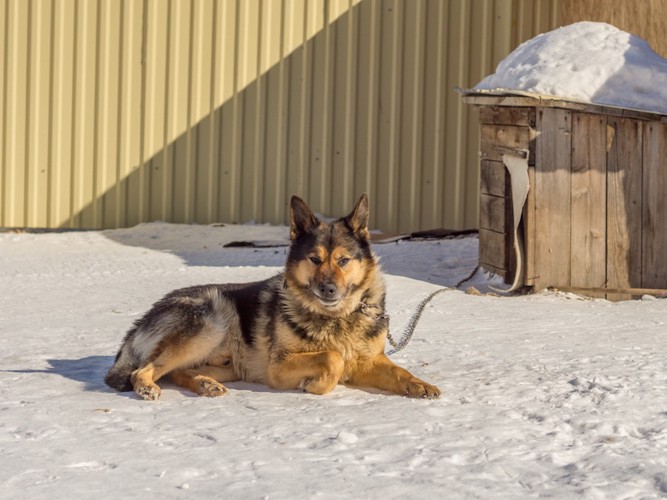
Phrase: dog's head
(329, 263)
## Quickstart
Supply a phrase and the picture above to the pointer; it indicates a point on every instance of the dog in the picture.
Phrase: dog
(319, 323)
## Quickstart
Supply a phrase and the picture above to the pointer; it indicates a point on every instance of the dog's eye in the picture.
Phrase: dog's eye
(342, 262)
(315, 260)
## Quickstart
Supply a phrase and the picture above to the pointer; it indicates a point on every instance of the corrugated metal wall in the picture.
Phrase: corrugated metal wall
(114, 112)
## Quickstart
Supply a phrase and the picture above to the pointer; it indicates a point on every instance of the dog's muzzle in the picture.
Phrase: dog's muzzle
(327, 293)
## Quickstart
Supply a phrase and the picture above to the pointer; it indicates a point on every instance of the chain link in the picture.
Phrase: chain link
(412, 324)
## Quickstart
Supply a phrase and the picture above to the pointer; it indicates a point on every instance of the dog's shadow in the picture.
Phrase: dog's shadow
(89, 370)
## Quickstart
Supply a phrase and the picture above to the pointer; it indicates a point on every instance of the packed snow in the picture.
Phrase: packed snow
(586, 61)
(543, 395)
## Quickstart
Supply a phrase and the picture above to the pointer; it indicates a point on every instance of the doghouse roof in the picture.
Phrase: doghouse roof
(583, 63)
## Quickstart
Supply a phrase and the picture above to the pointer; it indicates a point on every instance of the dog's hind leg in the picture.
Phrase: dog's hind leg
(167, 359)
(205, 380)
(144, 378)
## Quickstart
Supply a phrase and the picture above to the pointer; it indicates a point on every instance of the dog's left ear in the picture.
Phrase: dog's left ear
(358, 219)
(302, 219)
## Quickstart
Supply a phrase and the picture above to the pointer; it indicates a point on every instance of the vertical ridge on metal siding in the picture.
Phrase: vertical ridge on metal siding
(229, 114)
(4, 35)
(455, 114)
(167, 75)
(412, 99)
(341, 187)
(16, 78)
(322, 113)
(300, 99)
(367, 103)
(210, 151)
(433, 137)
(386, 190)
(275, 202)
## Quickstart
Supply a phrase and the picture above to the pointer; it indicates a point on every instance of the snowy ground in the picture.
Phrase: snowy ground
(544, 395)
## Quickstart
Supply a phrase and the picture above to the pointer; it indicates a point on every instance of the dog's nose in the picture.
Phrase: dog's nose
(328, 290)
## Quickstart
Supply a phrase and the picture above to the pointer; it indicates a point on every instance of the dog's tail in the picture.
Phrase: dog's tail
(118, 376)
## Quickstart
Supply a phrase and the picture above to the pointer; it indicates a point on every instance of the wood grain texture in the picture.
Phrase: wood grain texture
(624, 202)
(497, 140)
(494, 179)
(552, 195)
(494, 253)
(496, 214)
(589, 199)
(654, 223)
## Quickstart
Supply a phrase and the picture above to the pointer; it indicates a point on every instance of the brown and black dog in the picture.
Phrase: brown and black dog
(319, 323)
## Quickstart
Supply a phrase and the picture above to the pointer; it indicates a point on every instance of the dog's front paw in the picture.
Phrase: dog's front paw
(416, 388)
(148, 392)
(331, 371)
(320, 386)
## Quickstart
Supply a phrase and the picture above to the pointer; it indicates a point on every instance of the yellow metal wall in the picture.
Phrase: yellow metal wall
(114, 112)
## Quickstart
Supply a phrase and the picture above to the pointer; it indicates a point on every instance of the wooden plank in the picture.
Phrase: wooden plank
(552, 198)
(503, 115)
(654, 227)
(529, 231)
(494, 179)
(496, 214)
(588, 202)
(624, 201)
(497, 140)
(547, 102)
(494, 253)
(503, 273)
(633, 292)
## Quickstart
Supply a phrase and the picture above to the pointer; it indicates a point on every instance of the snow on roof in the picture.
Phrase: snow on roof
(591, 62)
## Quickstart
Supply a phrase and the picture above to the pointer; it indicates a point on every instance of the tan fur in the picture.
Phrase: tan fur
(319, 324)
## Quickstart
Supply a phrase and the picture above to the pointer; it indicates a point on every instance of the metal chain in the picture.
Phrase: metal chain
(412, 324)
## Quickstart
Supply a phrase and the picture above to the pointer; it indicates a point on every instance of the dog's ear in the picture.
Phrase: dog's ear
(302, 218)
(358, 219)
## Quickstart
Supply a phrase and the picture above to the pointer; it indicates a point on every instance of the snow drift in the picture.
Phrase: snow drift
(591, 62)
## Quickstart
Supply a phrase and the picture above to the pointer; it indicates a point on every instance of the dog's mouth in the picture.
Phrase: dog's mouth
(328, 302)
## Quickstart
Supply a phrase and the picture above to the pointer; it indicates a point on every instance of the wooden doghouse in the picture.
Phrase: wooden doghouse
(595, 217)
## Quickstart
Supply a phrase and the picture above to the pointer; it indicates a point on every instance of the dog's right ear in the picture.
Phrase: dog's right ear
(302, 218)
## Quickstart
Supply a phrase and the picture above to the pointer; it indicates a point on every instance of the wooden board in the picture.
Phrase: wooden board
(588, 201)
(541, 102)
(497, 140)
(501, 115)
(654, 224)
(494, 254)
(495, 213)
(552, 195)
(494, 179)
(624, 205)
(529, 231)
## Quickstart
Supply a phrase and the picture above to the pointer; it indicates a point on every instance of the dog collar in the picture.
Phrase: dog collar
(365, 309)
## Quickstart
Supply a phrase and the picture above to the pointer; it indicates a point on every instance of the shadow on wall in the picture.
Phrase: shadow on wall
(330, 120)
